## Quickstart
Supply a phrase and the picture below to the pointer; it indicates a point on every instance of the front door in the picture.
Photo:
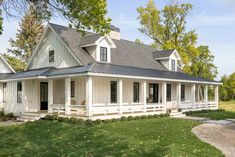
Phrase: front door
(153, 93)
(43, 95)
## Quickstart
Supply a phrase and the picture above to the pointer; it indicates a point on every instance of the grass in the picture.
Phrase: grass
(216, 115)
(148, 137)
(227, 105)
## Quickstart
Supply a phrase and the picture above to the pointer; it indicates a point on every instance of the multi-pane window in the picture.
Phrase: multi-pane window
(51, 56)
(19, 92)
(113, 95)
(136, 91)
(72, 89)
(103, 54)
(168, 92)
(182, 92)
(153, 93)
(4, 92)
(173, 65)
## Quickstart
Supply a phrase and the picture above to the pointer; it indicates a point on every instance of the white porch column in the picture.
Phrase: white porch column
(217, 95)
(67, 95)
(120, 95)
(193, 88)
(206, 94)
(50, 96)
(144, 90)
(23, 96)
(179, 94)
(89, 96)
(164, 95)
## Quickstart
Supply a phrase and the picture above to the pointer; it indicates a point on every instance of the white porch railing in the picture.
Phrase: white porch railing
(74, 109)
(58, 108)
(154, 107)
(190, 106)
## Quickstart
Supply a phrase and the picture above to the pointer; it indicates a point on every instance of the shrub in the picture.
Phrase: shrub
(162, 115)
(167, 114)
(98, 121)
(3, 118)
(123, 118)
(107, 121)
(129, 118)
(48, 117)
(60, 119)
(89, 122)
(54, 117)
(150, 116)
(114, 120)
(179, 110)
(2, 113)
(143, 117)
(156, 116)
(10, 115)
(137, 117)
(80, 121)
(66, 120)
(73, 120)
(189, 113)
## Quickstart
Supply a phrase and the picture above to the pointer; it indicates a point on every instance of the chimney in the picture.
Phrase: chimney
(114, 33)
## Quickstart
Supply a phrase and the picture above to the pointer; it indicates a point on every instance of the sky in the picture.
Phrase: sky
(213, 20)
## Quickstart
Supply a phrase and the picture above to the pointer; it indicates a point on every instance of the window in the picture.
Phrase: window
(173, 65)
(168, 92)
(72, 89)
(103, 54)
(19, 92)
(113, 91)
(4, 92)
(153, 93)
(136, 91)
(51, 56)
(182, 92)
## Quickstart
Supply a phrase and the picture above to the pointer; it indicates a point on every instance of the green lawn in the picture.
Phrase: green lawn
(148, 137)
(227, 105)
(216, 115)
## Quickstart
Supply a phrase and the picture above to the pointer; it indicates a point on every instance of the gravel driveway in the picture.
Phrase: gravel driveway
(218, 135)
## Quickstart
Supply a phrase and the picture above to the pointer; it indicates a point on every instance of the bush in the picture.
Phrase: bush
(114, 120)
(3, 118)
(123, 118)
(137, 117)
(66, 120)
(89, 122)
(167, 114)
(2, 113)
(54, 117)
(162, 115)
(10, 115)
(80, 121)
(189, 113)
(150, 116)
(156, 116)
(107, 121)
(73, 120)
(48, 117)
(129, 118)
(98, 121)
(60, 119)
(143, 117)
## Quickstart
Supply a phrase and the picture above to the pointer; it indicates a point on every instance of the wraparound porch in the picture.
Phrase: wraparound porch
(91, 96)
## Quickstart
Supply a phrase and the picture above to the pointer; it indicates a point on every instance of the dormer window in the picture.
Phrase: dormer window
(103, 54)
(173, 65)
(51, 56)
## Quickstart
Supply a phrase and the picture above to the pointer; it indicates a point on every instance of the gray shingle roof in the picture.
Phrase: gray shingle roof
(107, 69)
(163, 53)
(126, 53)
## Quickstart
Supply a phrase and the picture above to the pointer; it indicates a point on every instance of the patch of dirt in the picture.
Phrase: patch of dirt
(220, 136)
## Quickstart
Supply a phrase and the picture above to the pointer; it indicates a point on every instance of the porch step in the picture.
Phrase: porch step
(177, 114)
(30, 117)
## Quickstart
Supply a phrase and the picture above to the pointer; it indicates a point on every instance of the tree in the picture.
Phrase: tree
(83, 14)
(15, 63)
(224, 88)
(167, 29)
(202, 64)
(138, 41)
(28, 35)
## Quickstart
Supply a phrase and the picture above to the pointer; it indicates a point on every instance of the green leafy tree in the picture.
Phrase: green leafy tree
(166, 28)
(202, 64)
(224, 88)
(83, 14)
(27, 37)
(139, 41)
(15, 63)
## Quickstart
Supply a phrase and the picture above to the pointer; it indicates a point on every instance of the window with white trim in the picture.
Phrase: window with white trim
(113, 93)
(19, 92)
(4, 92)
(136, 92)
(72, 89)
(103, 54)
(173, 65)
(51, 56)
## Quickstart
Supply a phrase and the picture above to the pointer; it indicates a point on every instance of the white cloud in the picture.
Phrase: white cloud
(203, 19)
